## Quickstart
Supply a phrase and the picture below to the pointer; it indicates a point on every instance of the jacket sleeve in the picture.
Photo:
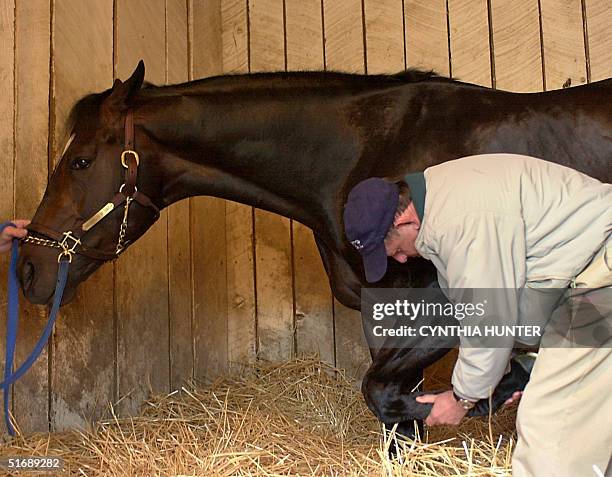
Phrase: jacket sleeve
(484, 250)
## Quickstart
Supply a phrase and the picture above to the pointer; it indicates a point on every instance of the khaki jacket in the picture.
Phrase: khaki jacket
(508, 221)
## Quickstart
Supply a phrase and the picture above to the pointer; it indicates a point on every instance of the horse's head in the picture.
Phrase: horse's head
(93, 171)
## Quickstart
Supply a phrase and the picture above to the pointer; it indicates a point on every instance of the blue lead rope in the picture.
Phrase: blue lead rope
(13, 322)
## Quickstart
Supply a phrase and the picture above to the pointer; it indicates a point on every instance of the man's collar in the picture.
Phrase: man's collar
(416, 182)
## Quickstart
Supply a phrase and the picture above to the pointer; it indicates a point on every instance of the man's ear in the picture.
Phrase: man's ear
(122, 93)
(407, 216)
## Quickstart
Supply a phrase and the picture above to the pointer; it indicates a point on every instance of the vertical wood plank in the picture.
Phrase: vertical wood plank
(266, 41)
(179, 266)
(241, 318)
(469, 41)
(314, 318)
(313, 298)
(209, 254)
(142, 271)
(206, 38)
(599, 34)
(7, 144)
(384, 29)
(235, 36)
(32, 50)
(515, 30)
(209, 286)
(427, 35)
(343, 30)
(384, 36)
(304, 35)
(344, 51)
(83, 366)
(275, 328)
(7, 105)
(563, 43)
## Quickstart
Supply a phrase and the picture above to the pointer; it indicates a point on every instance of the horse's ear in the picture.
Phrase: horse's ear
(123, 91)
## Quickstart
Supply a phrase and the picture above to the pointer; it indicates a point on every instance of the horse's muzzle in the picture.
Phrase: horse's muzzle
(32, 282)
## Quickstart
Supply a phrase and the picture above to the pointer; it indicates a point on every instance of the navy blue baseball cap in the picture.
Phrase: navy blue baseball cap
(368, 214)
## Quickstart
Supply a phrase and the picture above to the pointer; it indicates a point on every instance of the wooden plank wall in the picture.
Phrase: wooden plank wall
(216, 282)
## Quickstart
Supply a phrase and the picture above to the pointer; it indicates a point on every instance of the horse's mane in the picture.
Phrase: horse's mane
(413, 75)
(89, 105)
(410, 75)
(305, 79)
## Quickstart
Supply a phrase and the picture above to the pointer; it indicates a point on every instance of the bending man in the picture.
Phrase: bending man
(516, 223)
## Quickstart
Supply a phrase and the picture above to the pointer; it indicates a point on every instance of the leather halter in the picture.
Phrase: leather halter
(70, 241)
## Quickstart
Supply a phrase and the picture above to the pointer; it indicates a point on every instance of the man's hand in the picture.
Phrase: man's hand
(446, 410)
(516, 397)
(9, 233)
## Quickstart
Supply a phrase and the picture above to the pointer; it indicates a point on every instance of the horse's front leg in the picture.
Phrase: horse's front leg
(389, 385)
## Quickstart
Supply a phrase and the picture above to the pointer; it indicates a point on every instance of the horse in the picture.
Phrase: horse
(295, 144)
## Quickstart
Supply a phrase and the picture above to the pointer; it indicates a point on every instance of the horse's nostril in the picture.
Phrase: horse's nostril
(27, 275)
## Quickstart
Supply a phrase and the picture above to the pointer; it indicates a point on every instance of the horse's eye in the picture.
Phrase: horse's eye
(79, 163)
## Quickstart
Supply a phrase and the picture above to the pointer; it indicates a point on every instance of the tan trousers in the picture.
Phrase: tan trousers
(564, 419)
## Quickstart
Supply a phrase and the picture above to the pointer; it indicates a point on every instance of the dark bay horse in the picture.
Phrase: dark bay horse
(295, 144)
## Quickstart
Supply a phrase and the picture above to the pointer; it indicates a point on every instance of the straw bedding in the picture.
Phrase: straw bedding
(301, 418)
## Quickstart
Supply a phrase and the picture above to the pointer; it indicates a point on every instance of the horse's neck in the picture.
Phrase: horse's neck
(283, 154)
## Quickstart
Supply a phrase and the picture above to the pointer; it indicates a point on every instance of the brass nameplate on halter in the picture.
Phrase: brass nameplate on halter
(99, 215)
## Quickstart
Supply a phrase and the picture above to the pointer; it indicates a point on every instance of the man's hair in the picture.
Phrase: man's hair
(404, 201)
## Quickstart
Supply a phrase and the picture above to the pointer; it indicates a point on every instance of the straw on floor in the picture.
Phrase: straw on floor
(301, 418)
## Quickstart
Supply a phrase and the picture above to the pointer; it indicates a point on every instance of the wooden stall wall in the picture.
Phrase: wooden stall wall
(216, 282)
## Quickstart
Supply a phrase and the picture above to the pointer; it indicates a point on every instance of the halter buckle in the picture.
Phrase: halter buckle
(133, 153)
(64, 253)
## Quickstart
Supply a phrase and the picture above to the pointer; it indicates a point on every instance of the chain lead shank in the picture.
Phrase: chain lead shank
(123, 229)
(40, 241)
